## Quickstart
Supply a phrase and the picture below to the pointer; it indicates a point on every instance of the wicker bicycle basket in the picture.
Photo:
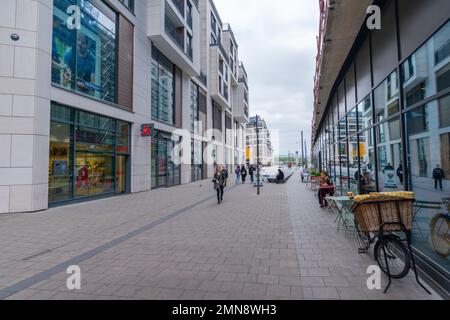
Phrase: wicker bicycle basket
(393, 212)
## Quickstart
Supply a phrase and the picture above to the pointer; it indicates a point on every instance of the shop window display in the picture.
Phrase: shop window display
(88, 155)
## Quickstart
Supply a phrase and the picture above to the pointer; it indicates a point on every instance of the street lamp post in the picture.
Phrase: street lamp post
(257, 155)
(303, 154)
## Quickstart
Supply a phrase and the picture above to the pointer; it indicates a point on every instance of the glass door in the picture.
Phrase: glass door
(170, 165)
(121, 169)
(161, 163)
(94, 174)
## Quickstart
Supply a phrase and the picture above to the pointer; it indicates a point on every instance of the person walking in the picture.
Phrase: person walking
(400, 173)
(243, 174)
(237, 171)
(225, 175)
(219, 184)
(251, 172)
(438, 175)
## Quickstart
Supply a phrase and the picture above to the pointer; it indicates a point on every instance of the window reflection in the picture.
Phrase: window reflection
(163, 106)
(84, 59)
(365, 113)
(390, 166)
(386, 98)
(427, 71)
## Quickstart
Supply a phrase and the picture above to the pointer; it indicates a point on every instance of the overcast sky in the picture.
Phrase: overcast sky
(277, 43)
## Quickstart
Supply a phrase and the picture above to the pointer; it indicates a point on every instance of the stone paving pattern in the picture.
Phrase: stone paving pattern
(279, 245)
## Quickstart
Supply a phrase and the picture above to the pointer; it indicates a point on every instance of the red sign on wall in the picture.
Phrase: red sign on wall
(147, 130)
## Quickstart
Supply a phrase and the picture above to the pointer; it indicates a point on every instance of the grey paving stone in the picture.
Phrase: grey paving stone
(148, 293)
(255, 289)
(278, 291)
(211, 285)
(281, 238)
(325, 293)
(268, 279)
(232, 287)
(224, 276)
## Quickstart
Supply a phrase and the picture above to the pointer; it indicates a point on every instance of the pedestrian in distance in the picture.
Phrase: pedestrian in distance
(225, 175)
(438, 175)
(243, 174)
(251, 172)
(400, 173)
(237, 172)
(219, 183)
(280, 176)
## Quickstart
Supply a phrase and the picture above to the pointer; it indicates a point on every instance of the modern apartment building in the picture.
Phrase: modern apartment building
(265, 142)
(99, 98)
(382, 107)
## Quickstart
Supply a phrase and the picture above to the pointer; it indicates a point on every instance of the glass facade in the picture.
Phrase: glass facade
(128, 3)
(165, 172)
(88, 154)
(194, 115)
(405, 118)
(163, 88)
(197, 160)
(84, 56)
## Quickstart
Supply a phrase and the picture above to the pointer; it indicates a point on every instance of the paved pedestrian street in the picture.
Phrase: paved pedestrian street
(179, 244)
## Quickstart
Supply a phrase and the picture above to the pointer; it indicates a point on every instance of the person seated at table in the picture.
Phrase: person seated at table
(326, 188)
(280, 176)
(366, 183)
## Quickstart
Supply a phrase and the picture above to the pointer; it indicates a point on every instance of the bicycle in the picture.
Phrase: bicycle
(382, 220)
(439, 232)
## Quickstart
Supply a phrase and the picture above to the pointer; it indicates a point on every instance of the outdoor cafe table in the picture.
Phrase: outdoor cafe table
(341, 206)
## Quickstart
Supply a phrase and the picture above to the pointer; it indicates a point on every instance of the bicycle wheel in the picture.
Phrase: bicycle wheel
(397, 255)
(363, 241)
(440, 234)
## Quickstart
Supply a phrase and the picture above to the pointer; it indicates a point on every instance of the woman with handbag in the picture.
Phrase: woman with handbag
(219, 184)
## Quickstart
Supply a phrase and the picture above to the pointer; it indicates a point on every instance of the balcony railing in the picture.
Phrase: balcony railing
(243, 80)
(176, 33)
(225, 91)
(179, 4)
(203, 79)
(442, 53)
(221, 49)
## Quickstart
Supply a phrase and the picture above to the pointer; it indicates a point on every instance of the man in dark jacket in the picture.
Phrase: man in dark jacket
(251, 172)
(225, 175)
(400, 173)
(243, 174)
(280, 176)
(438, 175)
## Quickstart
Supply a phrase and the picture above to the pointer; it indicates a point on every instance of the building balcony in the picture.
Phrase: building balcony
(219, 77)
(240, 103)
(174, 28)
(243, 77)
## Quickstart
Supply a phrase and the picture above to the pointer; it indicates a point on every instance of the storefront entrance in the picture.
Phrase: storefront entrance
(89, 155)
(165, 173)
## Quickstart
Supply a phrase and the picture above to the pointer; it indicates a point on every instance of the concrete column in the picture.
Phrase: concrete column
(24, 104)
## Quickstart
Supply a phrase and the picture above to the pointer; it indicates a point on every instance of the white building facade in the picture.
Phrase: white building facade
(265, 142)
(99, 98)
